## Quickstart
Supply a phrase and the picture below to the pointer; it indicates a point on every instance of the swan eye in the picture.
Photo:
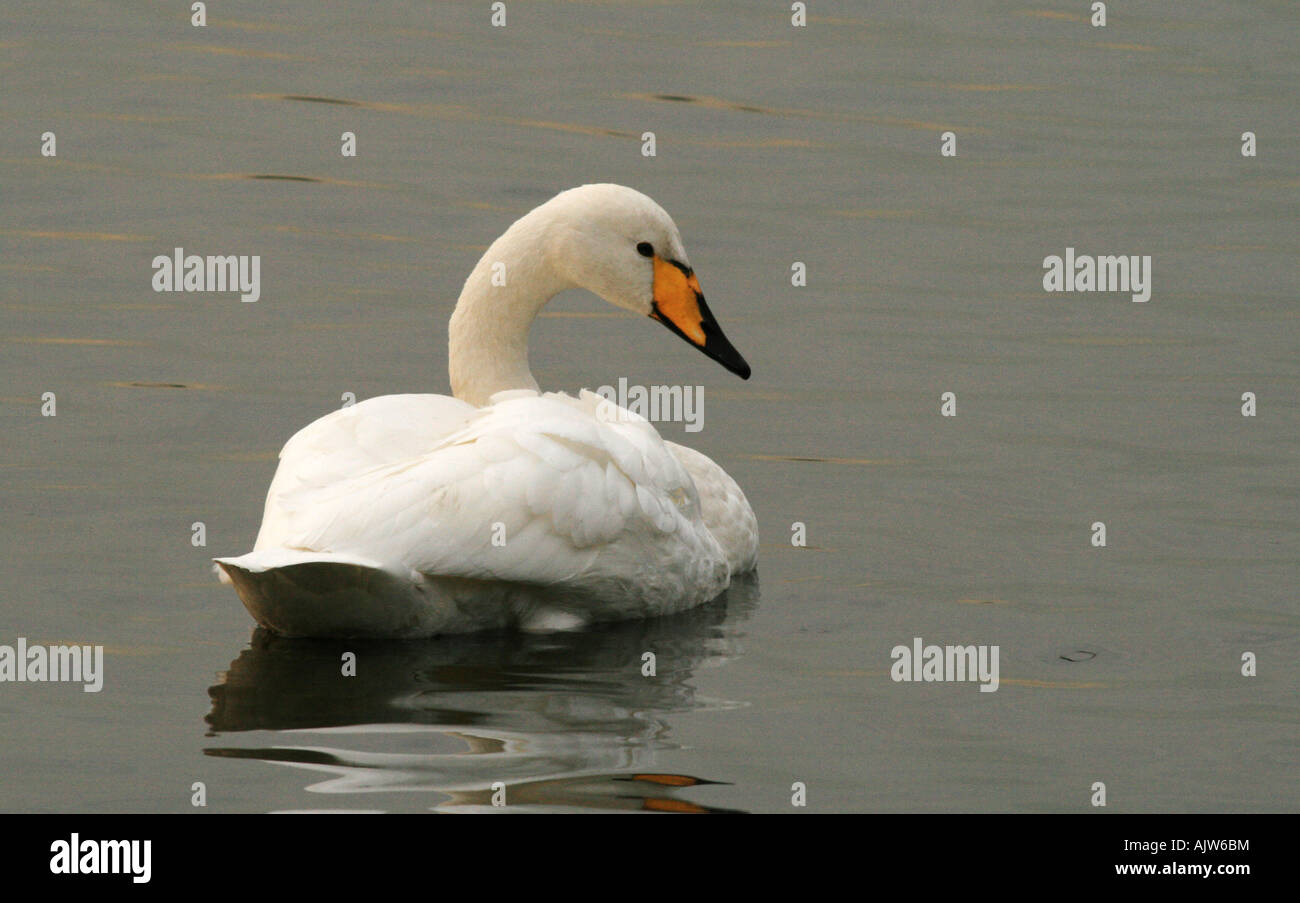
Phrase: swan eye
(645, 249)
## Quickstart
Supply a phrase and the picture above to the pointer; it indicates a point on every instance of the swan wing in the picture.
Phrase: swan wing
(723, 507)
(533, 488)
(353, 440)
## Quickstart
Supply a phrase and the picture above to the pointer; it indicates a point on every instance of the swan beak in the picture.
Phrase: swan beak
(679, 305)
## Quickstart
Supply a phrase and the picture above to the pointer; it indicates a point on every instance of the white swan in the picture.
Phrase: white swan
(414, 515)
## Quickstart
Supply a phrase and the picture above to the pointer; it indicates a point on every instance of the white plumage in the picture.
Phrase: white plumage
(412, 515)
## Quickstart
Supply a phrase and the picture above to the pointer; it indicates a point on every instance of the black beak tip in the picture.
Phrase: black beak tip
(715, 344)
(717, 347)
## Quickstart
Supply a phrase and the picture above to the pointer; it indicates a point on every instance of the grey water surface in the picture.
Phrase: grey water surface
(775, 145)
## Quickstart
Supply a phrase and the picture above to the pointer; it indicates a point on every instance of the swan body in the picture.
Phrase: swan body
(415, 515)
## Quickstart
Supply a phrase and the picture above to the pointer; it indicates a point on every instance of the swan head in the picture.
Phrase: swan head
(623, 247)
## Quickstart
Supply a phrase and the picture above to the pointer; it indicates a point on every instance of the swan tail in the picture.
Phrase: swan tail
(324, 594)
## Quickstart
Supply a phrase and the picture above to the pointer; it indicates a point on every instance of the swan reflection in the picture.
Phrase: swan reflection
(565, 721)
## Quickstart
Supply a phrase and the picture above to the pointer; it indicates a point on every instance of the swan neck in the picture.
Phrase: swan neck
(488, 333)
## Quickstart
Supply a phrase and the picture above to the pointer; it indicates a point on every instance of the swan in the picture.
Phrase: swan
(503, 506)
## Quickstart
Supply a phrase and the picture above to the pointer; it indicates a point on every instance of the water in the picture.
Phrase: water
(775, 145)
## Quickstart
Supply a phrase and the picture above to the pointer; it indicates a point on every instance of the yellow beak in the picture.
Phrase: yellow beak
(679, 305)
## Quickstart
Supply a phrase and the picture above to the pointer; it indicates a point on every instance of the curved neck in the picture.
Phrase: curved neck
(488, 333)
